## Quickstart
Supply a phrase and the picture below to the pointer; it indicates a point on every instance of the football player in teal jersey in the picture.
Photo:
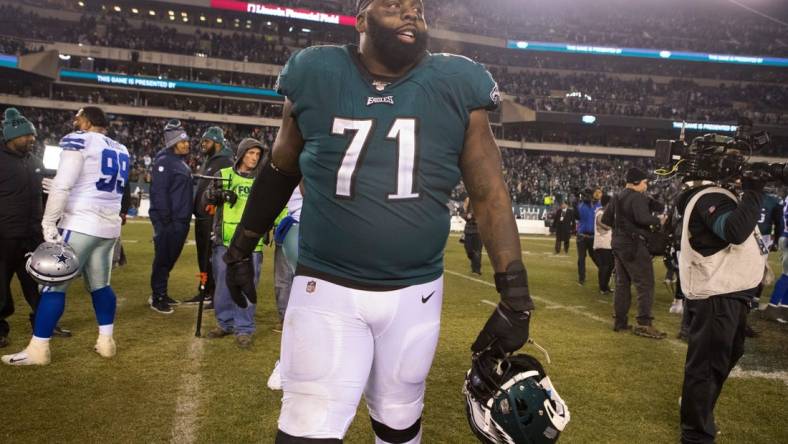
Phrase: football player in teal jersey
(770, 223)
(381, 133)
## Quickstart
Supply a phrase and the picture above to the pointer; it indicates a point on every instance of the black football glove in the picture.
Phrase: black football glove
(240, 282)
(240, 268)
(507, 329)
(505, 332)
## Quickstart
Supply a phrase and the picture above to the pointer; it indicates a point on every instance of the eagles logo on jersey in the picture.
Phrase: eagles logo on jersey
(513, 401)
(380, 154)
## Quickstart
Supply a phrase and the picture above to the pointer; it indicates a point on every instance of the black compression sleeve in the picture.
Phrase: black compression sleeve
(744, 219)
(270, 192)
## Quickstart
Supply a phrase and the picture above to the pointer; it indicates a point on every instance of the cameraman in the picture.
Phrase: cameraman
(630, 216)
(721, 264)
(229, 197)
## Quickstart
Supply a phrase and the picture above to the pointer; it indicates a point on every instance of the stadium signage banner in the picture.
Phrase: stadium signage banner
(283, 11)
(163, 84)
(9, 61)
(705, 126)
(646, 53)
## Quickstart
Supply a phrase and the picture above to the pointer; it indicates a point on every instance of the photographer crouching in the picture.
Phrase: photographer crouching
(722, 261)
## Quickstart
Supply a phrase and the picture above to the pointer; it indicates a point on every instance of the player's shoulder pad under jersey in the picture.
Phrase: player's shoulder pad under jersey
(308, 67)
(473, 80)
(76, 141)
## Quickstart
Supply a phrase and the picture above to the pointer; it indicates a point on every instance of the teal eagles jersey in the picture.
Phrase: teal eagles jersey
(380, 161)
(771, 214)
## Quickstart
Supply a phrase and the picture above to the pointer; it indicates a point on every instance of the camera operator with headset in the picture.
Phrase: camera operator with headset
(722, 261)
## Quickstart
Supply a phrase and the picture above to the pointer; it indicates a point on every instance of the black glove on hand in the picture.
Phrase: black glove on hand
(240, 268)
(240, 282)
(230, 197)
(507, 329)
(505, 332)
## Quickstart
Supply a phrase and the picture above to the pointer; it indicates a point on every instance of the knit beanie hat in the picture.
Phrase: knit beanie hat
(174, 133)
(635, 175)
(214, 133)
(16, 125)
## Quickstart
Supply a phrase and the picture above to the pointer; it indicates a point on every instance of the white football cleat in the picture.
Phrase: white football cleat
(105, 346)
(36, 353)
(275, 380)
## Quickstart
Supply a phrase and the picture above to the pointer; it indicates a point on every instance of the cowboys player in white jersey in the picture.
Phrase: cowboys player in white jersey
(83, 210)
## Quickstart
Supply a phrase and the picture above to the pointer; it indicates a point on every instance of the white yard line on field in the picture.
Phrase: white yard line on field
(185, 423)
(532, 238)
(550, 304)
(737, 372)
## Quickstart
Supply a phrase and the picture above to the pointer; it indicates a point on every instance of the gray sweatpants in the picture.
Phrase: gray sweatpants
(283, 279)
(637, 271)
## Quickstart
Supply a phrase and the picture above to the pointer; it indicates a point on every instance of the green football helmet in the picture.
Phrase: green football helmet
(513, 401)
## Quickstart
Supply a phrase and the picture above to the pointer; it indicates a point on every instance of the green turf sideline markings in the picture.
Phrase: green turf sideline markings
(184, 428)
(571, 309)
(737, 372)
(550, 304)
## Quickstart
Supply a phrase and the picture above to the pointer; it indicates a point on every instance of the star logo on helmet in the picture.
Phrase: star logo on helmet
(61, 258)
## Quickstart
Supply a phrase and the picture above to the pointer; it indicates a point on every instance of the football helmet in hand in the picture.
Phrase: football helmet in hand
(53, 263)
(512, 400)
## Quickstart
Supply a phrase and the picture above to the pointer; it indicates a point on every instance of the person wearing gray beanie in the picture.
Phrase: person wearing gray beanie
(171, 201)
(174, 133)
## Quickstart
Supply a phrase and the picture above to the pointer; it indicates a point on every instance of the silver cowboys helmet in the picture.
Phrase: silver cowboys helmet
(53, 263)
(513, 401)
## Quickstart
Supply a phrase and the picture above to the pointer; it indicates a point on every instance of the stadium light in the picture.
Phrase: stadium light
(171, 12)
(202, 18)
(151, 12)
(172, 17)
(183, 14)
(82, 4)
(64, 57)
(117, 8)
(186, 19)
(135, 10)
(306, 30)
(218, 19)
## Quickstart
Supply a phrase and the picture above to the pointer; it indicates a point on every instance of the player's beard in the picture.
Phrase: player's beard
(393, 53)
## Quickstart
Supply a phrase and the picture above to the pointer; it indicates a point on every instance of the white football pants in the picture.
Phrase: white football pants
(338, 343)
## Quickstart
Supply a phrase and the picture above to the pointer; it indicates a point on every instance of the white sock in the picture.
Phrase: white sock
(37, 339)
(106, 330)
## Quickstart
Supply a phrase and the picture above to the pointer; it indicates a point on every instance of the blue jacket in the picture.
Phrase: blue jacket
(585, 216)
(171, 189)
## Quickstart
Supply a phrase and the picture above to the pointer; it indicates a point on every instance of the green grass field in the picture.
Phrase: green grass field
(165, 385)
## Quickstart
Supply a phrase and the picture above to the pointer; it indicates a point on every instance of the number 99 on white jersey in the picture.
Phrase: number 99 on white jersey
(93, 205)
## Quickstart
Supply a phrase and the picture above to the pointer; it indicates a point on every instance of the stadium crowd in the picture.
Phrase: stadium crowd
(668, 24)
(530, 176)
(268, 42)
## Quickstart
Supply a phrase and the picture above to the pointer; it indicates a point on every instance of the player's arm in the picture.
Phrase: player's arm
(269, 194)
(69, 170)
(507, 329)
